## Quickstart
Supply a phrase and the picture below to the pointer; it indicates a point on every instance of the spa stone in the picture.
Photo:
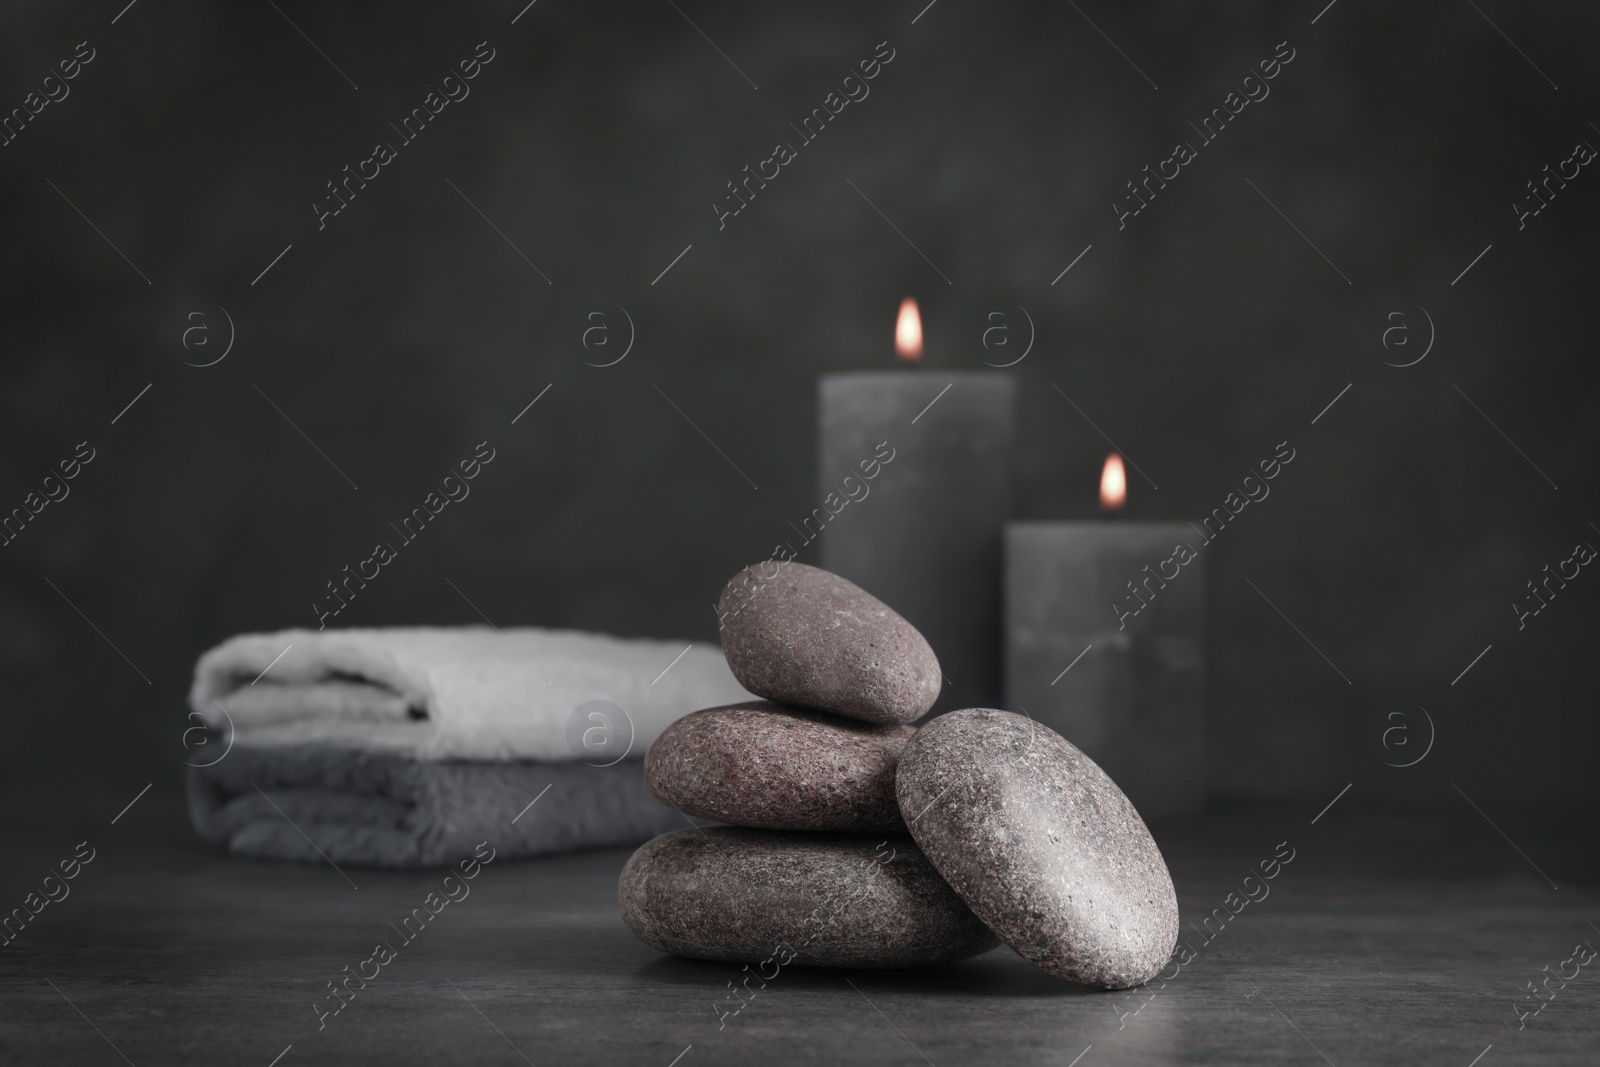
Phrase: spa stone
(804, 636)
(775, 768)
(775, 899)
(1041, 844)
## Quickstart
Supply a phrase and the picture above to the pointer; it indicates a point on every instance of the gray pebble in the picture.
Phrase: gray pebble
(1041, 844)
(825, 900)
(777, 768)
(808, 637)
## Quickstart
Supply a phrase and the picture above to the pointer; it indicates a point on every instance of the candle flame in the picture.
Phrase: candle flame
(1113, 483)
(908, 332)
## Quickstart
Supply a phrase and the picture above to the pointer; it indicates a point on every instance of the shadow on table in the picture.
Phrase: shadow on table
(999, 972)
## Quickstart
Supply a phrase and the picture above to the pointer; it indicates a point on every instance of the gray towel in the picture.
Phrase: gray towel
(379, 809)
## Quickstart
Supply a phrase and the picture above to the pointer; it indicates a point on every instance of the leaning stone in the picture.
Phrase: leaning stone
(1041, 844)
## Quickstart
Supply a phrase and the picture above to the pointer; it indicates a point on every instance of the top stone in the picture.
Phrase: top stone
(804, 636)
(1041, 845)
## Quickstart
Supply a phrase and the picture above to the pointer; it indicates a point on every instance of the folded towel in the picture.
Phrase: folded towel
(306, 803)
(467, 693)
(408, 747)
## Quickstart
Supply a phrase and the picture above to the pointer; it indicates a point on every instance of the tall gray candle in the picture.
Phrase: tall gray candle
(924, 534)
(1105, 644)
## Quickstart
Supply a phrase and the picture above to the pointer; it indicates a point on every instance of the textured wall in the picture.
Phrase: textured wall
(998, 138)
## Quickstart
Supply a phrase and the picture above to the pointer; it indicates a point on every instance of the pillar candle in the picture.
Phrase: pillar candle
(926, 539)
(1105, 644)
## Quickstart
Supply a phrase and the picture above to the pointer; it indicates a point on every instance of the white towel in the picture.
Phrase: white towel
(451, 694)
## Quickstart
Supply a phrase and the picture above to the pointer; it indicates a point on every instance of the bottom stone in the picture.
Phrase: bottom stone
(821, 900)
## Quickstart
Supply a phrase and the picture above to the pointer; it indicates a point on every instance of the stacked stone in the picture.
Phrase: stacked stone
(857, 840)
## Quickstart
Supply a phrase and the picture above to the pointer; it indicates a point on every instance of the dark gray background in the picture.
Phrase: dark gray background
(408, 330)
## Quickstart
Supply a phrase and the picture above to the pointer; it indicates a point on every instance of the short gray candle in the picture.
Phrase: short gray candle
(926, 539)
(1105, 644)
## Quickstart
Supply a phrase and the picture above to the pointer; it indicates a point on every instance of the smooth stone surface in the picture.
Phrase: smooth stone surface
(807, 637)
(826, 900)
(775, 768)
(1041, 844)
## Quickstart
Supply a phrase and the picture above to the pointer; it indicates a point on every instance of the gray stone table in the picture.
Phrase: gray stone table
(1396, 935)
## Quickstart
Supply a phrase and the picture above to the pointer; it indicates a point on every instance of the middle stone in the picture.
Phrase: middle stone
(776, 768)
